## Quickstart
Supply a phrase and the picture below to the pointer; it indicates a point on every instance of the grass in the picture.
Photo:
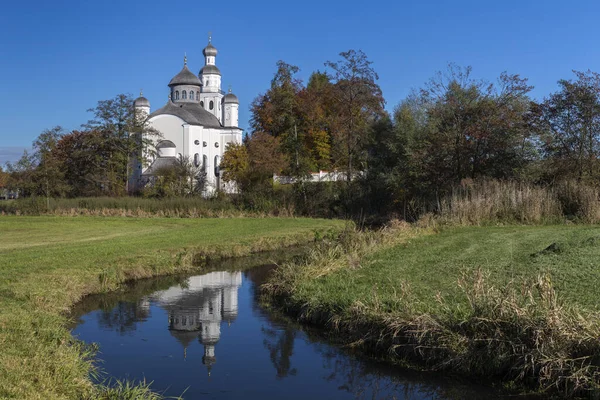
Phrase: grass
(515, 302)
(49, 263)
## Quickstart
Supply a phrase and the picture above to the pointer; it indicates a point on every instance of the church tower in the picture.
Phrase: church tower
(231, 110)
(210, 76)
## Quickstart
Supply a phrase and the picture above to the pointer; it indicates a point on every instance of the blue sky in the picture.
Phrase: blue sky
(58, 58)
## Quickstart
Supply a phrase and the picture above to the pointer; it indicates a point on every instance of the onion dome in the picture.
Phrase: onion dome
(210, 69)
(141, 101)
(210, 50)
(230, 98)
(185, 77)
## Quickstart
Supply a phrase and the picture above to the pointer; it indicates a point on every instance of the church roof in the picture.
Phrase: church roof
(160, 163)
(192, 113)
(185, 77)
(209, 50)
(230, 98)
(210, 69)
(184, 337)
(141, 102)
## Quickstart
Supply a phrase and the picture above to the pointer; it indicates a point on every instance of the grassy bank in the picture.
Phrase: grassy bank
(516, 302)
(49, 263)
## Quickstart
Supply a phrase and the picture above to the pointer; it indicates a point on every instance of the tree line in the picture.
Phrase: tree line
(454, 130)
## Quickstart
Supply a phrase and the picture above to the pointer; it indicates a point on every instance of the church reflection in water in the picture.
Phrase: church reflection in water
(197, 308)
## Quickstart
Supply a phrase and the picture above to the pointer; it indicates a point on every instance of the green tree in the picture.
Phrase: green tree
(569, 123)
(461, 128)
(124, 137)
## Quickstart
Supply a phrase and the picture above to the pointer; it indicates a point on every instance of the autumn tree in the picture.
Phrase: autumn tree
(357, 103)
(235, 164)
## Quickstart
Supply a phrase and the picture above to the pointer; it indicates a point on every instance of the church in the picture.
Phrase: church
(197, 123)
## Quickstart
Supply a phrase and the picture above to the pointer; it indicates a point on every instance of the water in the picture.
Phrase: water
(206, 337)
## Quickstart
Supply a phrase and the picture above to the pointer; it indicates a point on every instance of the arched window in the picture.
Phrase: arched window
(206, 83)
(196, 160)
(202, 104)
(217, 162)
(177, 95)
(211, 105)
(184, 95)
(192, 95)
(204, 162)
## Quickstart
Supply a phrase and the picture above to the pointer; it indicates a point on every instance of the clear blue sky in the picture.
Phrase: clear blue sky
(58, 58)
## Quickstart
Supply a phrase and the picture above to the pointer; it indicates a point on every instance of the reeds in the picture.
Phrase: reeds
(491, 201)
(182, 207)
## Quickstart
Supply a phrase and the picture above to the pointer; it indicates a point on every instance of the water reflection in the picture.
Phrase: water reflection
(163, 330)
(196, 310)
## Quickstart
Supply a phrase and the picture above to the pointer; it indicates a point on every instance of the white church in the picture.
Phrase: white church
(197, 311)
(198, 122)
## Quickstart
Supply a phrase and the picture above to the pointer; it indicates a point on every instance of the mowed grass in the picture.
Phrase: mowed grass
(49, 263)
(432, 265)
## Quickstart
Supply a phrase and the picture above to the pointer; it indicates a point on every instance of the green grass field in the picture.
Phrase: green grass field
(433, 264)
(49, 263)
(515, 302)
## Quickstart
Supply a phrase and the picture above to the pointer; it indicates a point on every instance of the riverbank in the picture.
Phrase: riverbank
(517, 303)
(49, 263)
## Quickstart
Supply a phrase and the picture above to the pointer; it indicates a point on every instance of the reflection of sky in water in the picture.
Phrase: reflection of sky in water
(208, 336)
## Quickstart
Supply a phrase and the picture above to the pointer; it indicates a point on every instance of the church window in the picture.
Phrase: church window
(197, 160)
(202, 104)
(191, 95)
(204, 162)
(211, 105)
(177, 95)
(184, 95)
(217, 162)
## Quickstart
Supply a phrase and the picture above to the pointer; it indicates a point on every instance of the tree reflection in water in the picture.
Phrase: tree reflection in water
(124, 317)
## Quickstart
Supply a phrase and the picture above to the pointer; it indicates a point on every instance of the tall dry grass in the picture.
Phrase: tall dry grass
(491, 201)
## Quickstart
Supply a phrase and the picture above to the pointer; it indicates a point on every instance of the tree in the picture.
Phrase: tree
(265, 156)
(182, 179)
(3, 179)
(569, 123)
(277, 113)
(21, 175)
(460, 128)
(357, 102)
(235, 164)
(124, 137)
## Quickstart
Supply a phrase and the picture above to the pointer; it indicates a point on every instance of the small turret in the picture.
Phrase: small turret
(142, 104)
(231, 109)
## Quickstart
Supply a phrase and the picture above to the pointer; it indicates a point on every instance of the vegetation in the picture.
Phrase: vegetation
(514, 302)
(49, 263)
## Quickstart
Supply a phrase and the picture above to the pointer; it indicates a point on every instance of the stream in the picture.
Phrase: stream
(206, 337)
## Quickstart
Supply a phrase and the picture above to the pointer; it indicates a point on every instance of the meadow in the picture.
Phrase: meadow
(49, 263)
(517, 303)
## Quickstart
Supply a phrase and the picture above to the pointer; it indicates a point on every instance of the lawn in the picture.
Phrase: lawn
(433, 264)
(49, 263)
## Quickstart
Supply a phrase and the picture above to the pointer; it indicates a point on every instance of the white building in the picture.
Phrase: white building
(198, 122)
(197, 310)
